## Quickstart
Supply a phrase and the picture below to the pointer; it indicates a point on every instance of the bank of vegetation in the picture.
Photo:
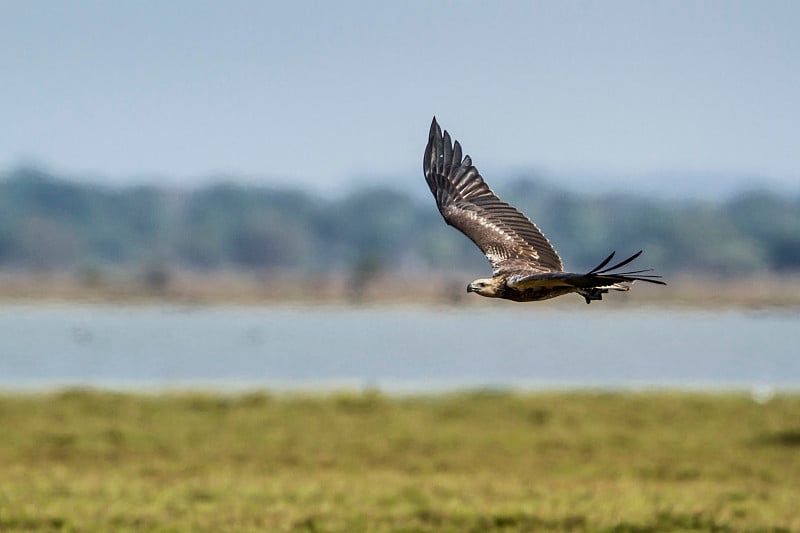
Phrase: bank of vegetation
(49, 224)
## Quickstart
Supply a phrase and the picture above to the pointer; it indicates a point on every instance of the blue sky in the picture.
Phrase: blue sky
(318, 94)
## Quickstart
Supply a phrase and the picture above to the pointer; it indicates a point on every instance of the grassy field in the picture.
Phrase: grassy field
(637, 463)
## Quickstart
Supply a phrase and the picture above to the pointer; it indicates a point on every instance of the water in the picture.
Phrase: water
(415, 349)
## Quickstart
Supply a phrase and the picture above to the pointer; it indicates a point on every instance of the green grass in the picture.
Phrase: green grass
(622, 463)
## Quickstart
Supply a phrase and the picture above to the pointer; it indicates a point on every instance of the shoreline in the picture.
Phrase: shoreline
(751, 292)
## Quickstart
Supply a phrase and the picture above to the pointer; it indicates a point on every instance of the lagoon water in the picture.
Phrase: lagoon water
(396, 349)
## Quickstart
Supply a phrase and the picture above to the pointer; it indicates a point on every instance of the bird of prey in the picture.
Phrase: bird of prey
(526, 267)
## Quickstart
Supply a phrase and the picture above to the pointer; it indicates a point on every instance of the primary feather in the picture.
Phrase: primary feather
(466, 202)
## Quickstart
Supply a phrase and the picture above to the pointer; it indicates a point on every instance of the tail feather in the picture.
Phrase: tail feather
(596, 270)
(606, 274)
(604, 263)
(600, 279)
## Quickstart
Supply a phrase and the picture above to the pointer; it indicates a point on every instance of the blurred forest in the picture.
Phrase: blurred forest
(51, 224)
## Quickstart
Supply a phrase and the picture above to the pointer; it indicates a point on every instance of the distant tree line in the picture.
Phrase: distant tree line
(52, 224)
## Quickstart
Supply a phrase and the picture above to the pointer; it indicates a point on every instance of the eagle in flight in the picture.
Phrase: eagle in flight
(526, 267)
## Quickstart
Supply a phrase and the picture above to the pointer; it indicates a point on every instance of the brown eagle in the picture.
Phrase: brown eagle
(526, 267)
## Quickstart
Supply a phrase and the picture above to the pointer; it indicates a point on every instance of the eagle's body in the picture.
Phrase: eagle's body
(526, 267)
(534, 287)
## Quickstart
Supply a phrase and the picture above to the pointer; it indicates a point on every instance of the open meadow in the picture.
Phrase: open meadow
(481, 461)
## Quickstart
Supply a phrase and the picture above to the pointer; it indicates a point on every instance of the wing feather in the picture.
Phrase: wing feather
(507, 237)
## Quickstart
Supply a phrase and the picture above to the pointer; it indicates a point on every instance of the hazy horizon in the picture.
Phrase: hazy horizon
(675, 186)
(619, 94)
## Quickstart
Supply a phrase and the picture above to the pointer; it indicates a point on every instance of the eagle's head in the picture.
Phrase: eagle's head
(485, 287)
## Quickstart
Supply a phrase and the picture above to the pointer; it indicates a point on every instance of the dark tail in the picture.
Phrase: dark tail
(631, 275)
(605, 278)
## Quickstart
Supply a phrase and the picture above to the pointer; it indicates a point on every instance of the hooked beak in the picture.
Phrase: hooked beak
(471, 288)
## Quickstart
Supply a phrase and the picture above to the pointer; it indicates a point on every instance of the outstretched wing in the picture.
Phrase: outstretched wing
(507, 237)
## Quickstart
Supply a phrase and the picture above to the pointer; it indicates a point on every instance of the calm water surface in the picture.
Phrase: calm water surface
(396, 348)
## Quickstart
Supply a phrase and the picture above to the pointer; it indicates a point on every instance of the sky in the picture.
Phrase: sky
(635, 94)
